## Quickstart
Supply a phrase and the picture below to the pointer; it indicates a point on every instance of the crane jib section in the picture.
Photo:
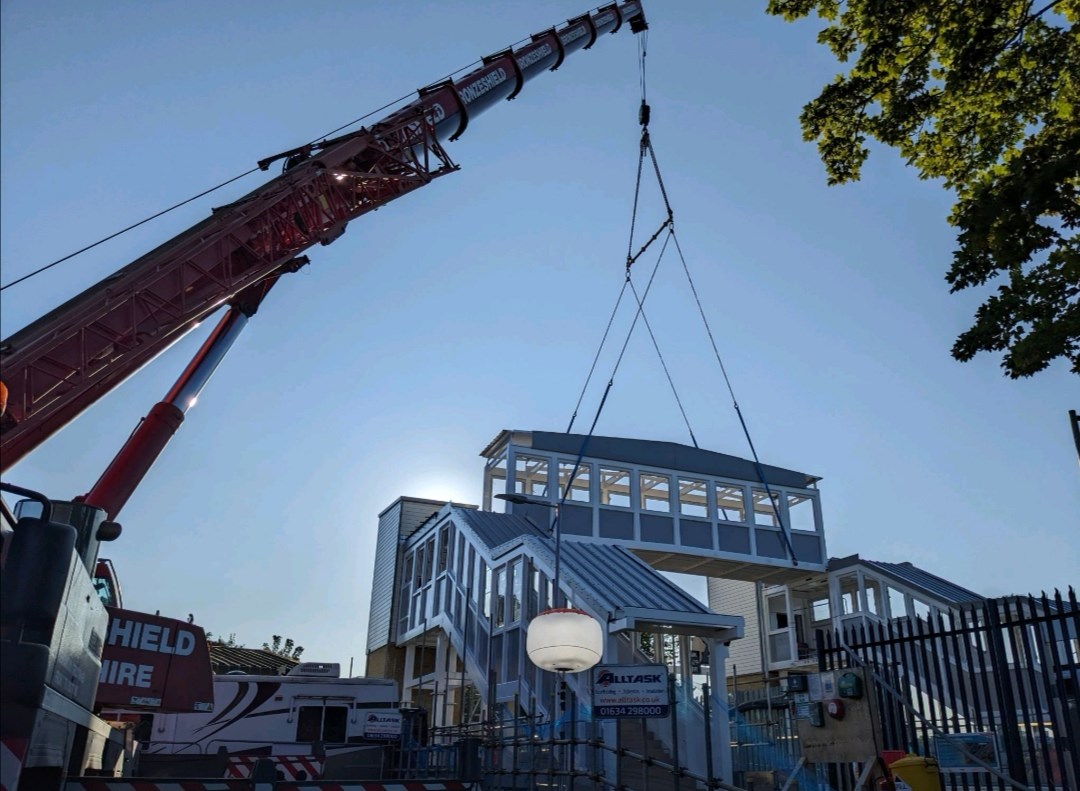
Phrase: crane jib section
(62, 363)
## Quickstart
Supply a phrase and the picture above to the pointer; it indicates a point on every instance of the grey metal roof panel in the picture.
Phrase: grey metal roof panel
(224, 658)
(652, 453)
(622, 579)
(915, 577)
(495, 529)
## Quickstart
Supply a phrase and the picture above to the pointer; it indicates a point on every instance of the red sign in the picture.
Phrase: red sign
(155, 663)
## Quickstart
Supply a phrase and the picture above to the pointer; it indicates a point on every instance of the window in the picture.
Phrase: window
(780, 636)
(897, 603)
(534, 594)
(497, 476)
(309, 724)
(513, 584)
(693, 498)
(334, 719)
(531, 475)
(765, 509)
(418, 574)
(730, 503)
(459, 560)
(499, 594)
(849, 594)
(655, 492)
(315, 723)
(800, 512)
(820, 610)
(444, 547)
(429, 558)
(922, 609)
(778, 615)
(614, 487)
(105, 591)
(579, 488)
(873, 595)
(483, 576)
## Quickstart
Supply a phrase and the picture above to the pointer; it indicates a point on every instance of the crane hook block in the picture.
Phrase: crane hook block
(643, 114)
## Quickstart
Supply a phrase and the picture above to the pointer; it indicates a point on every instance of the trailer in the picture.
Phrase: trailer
(311, 723)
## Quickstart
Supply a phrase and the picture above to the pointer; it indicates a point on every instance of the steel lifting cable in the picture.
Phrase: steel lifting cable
(596, 357)
(663, 363)
(738, 411)
(611, 380)
(644, 147)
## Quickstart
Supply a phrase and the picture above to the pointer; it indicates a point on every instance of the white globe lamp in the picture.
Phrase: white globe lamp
(564, 640)
(561, 639)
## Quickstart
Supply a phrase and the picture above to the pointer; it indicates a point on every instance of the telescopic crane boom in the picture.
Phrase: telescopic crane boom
(52, 624)
(62, 363)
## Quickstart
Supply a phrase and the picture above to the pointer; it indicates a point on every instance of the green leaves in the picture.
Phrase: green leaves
(984, 96)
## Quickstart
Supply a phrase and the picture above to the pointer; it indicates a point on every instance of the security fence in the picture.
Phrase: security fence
(990, 690)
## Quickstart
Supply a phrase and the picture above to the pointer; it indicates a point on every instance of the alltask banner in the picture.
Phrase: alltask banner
(382, 724)
(630, 691)
(150, 662)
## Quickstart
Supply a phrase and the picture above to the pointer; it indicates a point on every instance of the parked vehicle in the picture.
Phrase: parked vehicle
(311, 722)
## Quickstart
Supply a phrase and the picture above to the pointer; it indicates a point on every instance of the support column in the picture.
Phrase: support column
(407, 679)
(721, 723)
(438, 698)
(609, 729)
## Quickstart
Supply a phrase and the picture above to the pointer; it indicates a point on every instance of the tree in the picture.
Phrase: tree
(289, 650)
(985, 95)
(227, 642)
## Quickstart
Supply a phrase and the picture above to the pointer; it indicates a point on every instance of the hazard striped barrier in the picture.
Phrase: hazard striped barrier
(132, 784)
(290, 766)
(367, 785)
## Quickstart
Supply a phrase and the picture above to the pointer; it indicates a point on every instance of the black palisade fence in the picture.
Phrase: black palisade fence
(1006, 667)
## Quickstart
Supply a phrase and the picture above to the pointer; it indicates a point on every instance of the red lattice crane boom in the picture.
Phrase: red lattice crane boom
(62, 363)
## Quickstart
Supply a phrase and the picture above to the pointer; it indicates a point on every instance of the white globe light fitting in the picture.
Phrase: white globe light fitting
(564, 640)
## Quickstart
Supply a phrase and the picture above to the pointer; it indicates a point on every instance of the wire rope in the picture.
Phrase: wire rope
(663, 364)
(773, 502)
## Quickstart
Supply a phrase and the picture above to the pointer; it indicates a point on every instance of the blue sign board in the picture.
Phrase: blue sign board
(952, 759)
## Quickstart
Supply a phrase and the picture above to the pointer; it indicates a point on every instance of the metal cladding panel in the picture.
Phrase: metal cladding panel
(398, 521)
(414, 513)
(380, 614)
(667, 455)
(621, 579)
(738, 597)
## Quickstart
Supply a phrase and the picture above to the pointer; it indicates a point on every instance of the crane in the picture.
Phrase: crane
(53, 626)
(62, 363)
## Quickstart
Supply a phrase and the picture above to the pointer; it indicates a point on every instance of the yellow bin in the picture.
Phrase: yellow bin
(915, 773)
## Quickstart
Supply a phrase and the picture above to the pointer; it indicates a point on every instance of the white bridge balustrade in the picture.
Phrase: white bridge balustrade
(679, 508)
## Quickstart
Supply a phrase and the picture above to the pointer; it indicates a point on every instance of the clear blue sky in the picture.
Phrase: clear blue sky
(476, 304)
